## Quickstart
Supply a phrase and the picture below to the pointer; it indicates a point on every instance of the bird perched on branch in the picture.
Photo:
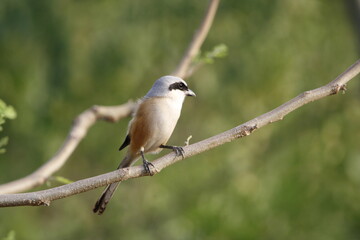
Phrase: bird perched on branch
(151, 127)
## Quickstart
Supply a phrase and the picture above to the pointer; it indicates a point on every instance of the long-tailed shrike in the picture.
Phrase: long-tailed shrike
(151, 127)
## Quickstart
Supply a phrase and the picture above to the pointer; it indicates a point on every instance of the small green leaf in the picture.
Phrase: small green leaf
(6, 111)
(62, 180)
(4, 141)
(10, 236)
(219, 51)
(10, 112)
(2, 104)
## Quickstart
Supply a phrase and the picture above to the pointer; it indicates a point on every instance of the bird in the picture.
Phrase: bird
(151, 126)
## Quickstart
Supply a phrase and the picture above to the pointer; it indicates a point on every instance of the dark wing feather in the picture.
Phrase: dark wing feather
(125, 143)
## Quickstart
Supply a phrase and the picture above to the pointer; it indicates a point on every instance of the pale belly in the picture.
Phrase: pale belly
(164, 123)
(154, 123)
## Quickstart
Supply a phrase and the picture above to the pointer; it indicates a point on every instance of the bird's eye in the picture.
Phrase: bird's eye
(182, 86)
(178, 85)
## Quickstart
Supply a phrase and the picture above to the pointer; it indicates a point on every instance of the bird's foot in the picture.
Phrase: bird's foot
(179, 151)
(146, 165)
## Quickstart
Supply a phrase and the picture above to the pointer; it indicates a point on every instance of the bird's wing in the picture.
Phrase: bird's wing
(125, 143)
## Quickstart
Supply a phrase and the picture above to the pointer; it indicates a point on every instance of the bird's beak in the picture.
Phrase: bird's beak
(190, 93)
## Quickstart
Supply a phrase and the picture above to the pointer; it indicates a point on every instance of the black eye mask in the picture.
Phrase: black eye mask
(178, 85)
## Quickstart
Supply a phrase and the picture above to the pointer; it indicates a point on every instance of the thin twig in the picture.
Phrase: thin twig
(198, 39)
(45, 197)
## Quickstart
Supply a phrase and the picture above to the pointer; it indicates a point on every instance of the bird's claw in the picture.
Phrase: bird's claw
(179, 151)
(146, 165)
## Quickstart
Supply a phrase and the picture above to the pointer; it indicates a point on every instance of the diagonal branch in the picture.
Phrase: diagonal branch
(46, 196)
(183, 68)
(113, 113)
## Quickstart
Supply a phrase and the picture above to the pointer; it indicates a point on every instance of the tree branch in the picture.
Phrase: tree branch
(78, 131)
(46, 196)
(113, 113)
(183, 70)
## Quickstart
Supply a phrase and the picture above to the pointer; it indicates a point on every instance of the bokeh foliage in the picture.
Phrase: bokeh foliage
(6, 112)
(295, 179)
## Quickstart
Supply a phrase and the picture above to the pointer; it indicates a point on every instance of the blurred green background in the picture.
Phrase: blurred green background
(295, 179)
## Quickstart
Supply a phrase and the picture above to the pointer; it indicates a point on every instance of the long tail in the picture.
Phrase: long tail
(105, 197)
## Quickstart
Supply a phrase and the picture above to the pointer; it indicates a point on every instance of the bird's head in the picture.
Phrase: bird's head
(170, 86)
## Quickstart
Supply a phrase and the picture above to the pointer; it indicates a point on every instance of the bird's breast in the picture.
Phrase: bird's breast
(164, 114)
(154, 122)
